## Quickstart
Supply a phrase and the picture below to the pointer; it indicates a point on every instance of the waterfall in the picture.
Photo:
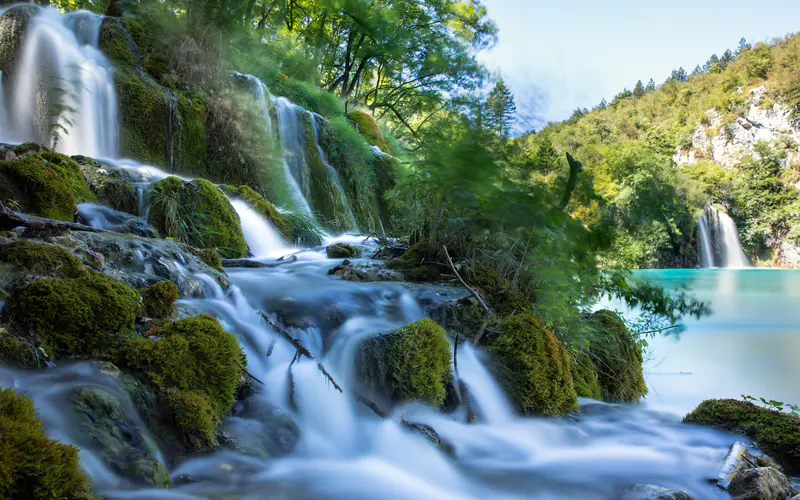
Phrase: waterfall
(289, 131)
(64, 94)
(262, 237)
(719, 243)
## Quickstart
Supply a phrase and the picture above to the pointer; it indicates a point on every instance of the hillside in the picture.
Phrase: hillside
(657, 156)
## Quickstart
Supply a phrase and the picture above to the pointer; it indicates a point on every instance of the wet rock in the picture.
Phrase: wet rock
(652, 492)
(13, 25)
(738, 459)
(347, 272)
(431, 435)
(112, 186)
(122, 443)
(342, 251)
(760, 483)
(262, 430)
(103, 217)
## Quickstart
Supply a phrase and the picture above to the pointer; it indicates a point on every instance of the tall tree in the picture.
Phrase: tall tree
(638, 90)
(651, 85)
(500, 109)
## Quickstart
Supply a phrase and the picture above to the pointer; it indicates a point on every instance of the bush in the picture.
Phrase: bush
(776, 434)
(411, 363)
(617, 357)
(31, 464)
(158, 300)
(533, 367)
(75, 317)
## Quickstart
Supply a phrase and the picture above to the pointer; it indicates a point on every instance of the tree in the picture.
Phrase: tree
(678, 75)
(697, 70)
(651, 85)
(727, 58)
(603, 104)
(638, 90)
(499, 109)
(743, 46)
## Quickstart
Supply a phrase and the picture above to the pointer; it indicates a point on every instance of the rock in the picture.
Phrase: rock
(431, 435)
(342, 251)
(761, 483)
(347, 272)
(737, 459)
(262, 430)
(13, 26)
(121, 442)
(112, 186)
(652, 492)
(103, 217)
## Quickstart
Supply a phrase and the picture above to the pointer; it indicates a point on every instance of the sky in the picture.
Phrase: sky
(557, 55)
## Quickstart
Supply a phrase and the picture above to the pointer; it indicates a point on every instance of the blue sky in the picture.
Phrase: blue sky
(557, 55)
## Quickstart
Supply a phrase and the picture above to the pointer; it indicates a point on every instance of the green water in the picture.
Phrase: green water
(750, 344)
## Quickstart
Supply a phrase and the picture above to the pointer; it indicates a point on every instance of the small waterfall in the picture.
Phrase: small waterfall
(486, 395)
(333, 176)
(64, 93)
(259, 92)
(289, 131)
(262, 237)
(719, 243)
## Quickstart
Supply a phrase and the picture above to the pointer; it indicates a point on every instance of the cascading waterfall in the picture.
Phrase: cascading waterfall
(289, 132)
(718, 239)
(263, 239)
(64, 92)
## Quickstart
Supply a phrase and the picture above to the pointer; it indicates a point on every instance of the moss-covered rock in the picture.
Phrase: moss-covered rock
(110, 185)
(158, 300)
(144, 115)
(776, 434)
(368, 128)
(43, 183)
(533, 367)
(585, 377)
(121, 443)
(43, 259)
(197, 213)
(31, 464)
(384, 166)
(75, 316)
(497, 289)
(195, 367)
(411, 265)
(209, 256)
(16, 352)
(116, 43)
(617, 356)
(189, 135)
(410, 363)
(13, 26)
(342, 251)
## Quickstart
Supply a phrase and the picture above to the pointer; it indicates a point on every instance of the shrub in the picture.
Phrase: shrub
(158, 300)
(31, 464)
(617, 357)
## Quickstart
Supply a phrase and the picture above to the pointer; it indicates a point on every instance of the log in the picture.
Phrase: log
(10, 220)
(254, 264)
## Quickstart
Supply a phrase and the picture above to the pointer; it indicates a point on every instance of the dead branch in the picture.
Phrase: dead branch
(372, 406)
(301, 349)
(10, 219)
(254, 264)
(244, 370)
(474, 294)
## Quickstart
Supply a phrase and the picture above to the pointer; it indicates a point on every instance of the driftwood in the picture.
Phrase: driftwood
(254, 264)
(244, 370)
(301, 349)
(10, 219)
(372, 406)
(475, 294)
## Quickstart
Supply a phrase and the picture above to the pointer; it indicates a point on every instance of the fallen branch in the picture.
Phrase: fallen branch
(371, 405)
(254, 264)
(244, 370)
(301, 349)
(10, 219)
(474, 294)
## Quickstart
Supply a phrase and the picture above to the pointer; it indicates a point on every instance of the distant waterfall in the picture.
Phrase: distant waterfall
(65, 87)
(718, 239)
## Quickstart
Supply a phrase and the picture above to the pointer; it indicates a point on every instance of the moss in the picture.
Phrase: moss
(197, 213)
(384, 167)
(412, 362)
(497, 289)
(342, 251)
(75, 317)
(15, 353)
(46, 184)
(533, 367)
(617, 356)
(27, 148)
(115, 42)
(305, 231)
(411, 264)
(31, 464)
(209, 256)
(777, 434)
(110, 186)
(368, 129)
(191, 137)
(43, 259)
(194, 364)
(144, 117)
(585, 377)
(158, 300)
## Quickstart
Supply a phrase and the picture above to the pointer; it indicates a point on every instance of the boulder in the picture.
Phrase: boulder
(342, 251)
(652, 492)
(13, 26)
(347, 272)
(760, 483)
(103, 217)
(111, 185)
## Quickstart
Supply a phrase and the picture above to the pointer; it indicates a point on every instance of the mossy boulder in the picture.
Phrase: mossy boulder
(776, 434)
(368, 128)
(121, 443)
(194, 365)
(116, 43)
(144, 116)
(342, 251)
(43, 259)
(31, 464)
(43, 183)
(617, 357)
(110, 185)
(16, 352)
(411, 264)
(75, 316)
(158, 300)
(197, 213)
(497, 289)
(409, 363)
(585, 376)
(533, 367)
(13, 25)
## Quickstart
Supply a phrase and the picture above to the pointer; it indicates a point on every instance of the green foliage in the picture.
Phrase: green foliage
(412, 362)
(305, 230)
(15, 353)
(411, 265)
(617, 356)
(194, 364)
(777, 434)
(31, 464)
(158, 300)
(43, 259)
(342, 251)
(197, 213)
(533, 367)
(75, 316)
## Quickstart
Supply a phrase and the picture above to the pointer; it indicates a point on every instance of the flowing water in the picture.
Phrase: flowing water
(263, 239)
(718, 239)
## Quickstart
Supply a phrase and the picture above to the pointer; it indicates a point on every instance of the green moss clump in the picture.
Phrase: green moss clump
(197, 213)
(191, 138)
(585, 377)
(15, 354)
(497, 289)
(368, 129)
(194, 364)
(31, 464)
(342, 251)
(305, 231)
(776, 434)
(46, 184)
(43, 259)
(209, 256)
(75, 317)
(533, 366)
(144, 117)
(412, 362)
(617, 358)
(116, 43)
(411, 264)
(158, 300)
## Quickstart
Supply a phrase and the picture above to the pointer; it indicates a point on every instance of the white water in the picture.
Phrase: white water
(62, 67)
(263, 239)
(718, 239)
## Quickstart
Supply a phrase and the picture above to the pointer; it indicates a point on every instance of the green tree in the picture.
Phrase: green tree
(499, 109)
(638, 90)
